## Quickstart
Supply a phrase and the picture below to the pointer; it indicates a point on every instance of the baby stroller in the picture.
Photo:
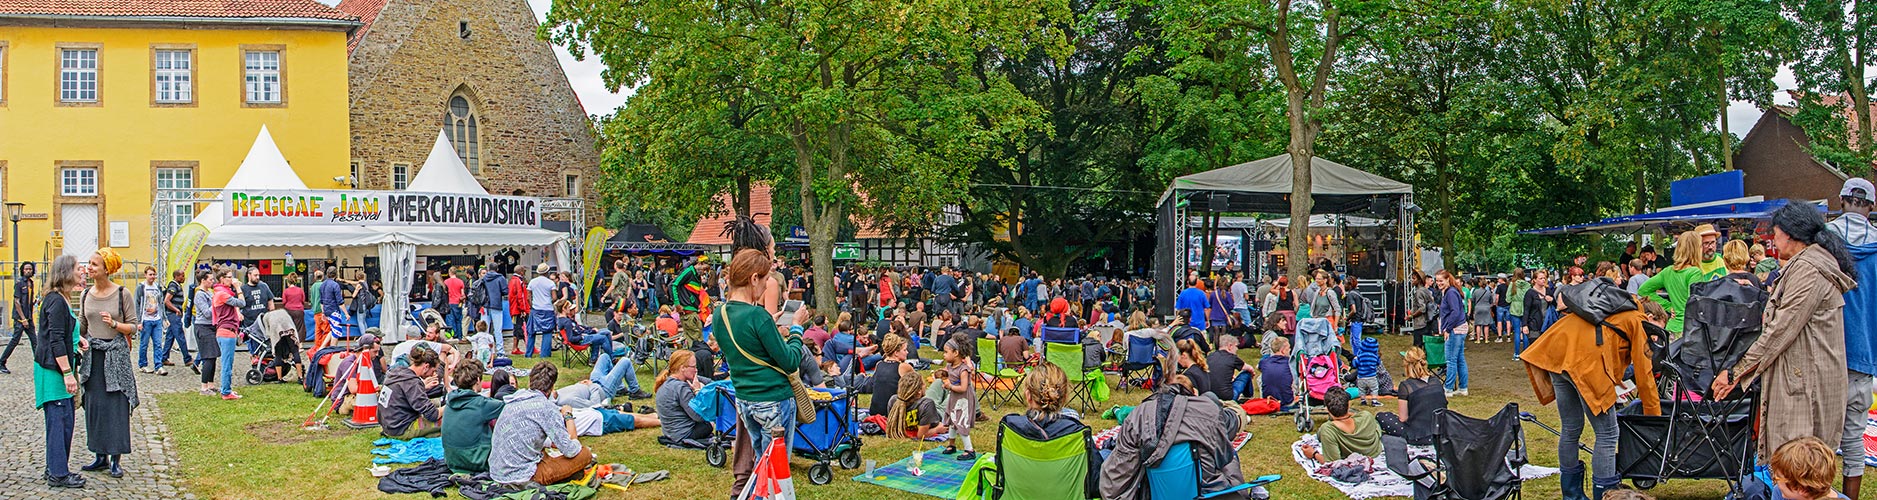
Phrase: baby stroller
(1319, 367)
(276, 364)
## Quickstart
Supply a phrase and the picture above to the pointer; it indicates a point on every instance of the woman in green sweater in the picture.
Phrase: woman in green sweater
(759, 357)
(1677, 279)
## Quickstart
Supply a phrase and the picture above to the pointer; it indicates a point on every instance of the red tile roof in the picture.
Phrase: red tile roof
(207, 9)
(709, 230)
(366, 11)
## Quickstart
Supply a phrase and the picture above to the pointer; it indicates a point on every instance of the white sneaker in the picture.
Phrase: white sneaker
(1451, 394)
(1462, 392)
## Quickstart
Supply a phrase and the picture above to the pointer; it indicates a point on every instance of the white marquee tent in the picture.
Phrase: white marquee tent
(396, 246)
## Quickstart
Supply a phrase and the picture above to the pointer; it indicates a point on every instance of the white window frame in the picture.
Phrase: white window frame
(262, 77)
(400, 175)
(73, 75)
(174, 84)
(78, 181)
(181, 213)
(571, 184)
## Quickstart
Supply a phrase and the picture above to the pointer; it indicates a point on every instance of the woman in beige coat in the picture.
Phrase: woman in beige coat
(1800, 356)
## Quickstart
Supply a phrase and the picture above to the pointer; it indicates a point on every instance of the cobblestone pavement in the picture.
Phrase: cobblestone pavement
(150, 470)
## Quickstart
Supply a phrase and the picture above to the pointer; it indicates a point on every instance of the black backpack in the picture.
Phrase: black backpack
(1361, 308)
(478, 294)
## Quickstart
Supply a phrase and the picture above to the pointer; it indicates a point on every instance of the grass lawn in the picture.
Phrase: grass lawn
(254, 448)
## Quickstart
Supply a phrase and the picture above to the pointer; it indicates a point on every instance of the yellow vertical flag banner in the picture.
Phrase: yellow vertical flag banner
(590, 254)
(185, 246)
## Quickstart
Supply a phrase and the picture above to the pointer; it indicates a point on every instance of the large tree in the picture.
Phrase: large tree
(1838, 43)
(874, 98)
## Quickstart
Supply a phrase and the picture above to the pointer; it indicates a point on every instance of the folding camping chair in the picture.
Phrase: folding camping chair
(569, 350)
(994, 374)
(1062, 335)
(1068, 357)
(1475, 459)
(1177, 477)
(1141, 355)
(1057, 460)
(1436, 347)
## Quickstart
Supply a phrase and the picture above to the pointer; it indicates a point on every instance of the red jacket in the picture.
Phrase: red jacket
(517, 296)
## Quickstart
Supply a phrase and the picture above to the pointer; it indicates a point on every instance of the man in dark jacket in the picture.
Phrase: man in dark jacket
(23, 313)
(494, 286)
(406, 413)
(472, 419)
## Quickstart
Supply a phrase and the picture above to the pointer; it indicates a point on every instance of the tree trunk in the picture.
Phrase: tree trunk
(1727, 137)
(1301, 150)
(742, 197)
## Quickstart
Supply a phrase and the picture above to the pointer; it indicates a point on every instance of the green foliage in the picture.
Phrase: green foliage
(1838, 46)
(878, 108)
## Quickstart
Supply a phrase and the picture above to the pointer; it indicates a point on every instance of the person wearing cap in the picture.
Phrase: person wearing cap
(540, 312)
(1711, 264)
(1860, 348)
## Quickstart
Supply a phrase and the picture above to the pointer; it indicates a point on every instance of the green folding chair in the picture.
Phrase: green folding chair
(1068, 357)
(1056, 469)
(994, 373)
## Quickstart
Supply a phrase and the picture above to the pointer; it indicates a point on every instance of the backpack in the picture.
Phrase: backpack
(1361, 308)
(478, 294)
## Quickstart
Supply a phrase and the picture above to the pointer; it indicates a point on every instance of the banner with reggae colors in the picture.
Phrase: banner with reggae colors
(185, 246)
(378, 208)
(590, 254)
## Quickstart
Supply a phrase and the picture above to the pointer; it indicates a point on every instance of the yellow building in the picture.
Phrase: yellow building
(104, 101)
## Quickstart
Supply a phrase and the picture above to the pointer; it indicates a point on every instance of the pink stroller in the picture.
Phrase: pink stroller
(1319, 369)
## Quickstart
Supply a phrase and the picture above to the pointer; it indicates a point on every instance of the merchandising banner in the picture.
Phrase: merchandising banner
(377, 208)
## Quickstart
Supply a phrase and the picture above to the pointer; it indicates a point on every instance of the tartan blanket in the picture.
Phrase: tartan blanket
(944, 474)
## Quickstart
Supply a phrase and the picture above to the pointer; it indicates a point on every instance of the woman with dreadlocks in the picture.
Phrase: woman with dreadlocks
(745, 233)
(760, 355)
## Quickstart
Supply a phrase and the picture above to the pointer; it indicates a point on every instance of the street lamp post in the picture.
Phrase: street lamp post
(13, 214)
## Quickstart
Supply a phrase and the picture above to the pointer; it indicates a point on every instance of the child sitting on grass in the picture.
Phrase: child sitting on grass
(914, 416)
(1803, 469)
(962, 407)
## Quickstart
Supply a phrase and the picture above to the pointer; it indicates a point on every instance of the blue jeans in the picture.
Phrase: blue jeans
(608, 372)
(59, 424)
(1572, 414)
(1244, 315)
(599, 342)
(173, 336)
(1518, 334)
(493, 315)
(452, 316)
(1243, 386)
(1456, 361)
(147, 337)
(1355, 332)
(777, 417)
(228, 364)
(1501, 315)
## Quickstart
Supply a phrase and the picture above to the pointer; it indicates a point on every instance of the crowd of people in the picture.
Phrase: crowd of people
(711, 320)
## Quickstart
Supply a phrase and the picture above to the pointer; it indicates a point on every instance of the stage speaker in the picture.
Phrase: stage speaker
(1384, 207)
(1219, 202)
(1263, 245)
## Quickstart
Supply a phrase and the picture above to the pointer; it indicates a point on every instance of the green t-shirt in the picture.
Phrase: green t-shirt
(312, 292)
(1516, 298)
(1676, 282)
(743, 327)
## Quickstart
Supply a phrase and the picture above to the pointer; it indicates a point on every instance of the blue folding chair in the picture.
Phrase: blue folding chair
(1177, 477)
(1140, 357)
(1062, 335)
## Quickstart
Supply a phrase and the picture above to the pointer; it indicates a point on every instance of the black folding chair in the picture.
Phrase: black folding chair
(1478, 459)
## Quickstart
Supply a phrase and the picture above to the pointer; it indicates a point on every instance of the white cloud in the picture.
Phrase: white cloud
(584, 76)
(1741, 115)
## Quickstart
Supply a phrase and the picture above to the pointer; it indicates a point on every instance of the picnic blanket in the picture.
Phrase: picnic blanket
(1383, 482)
(392, 451)
(944, 474)
(1102, 438)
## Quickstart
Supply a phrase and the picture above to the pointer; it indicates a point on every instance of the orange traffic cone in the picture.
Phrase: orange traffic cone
(365, 403)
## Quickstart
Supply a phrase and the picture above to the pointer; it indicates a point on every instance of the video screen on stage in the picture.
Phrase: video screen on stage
(1226, 249)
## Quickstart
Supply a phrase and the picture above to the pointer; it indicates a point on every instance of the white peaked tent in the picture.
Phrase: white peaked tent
(444, 172)
(265, 168)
